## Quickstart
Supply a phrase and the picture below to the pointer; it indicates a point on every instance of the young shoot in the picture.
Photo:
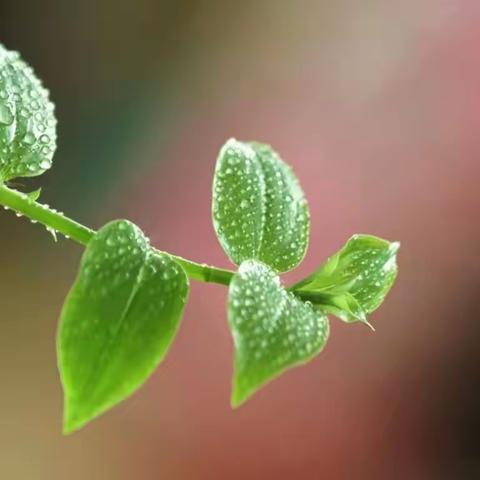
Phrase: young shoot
(124, 309)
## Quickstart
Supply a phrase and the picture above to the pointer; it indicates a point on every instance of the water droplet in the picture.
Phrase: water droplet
(29, 138)
(6, 115)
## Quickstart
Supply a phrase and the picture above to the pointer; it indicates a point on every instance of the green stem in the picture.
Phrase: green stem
(205, 273)
(23, 205)
(50, 218)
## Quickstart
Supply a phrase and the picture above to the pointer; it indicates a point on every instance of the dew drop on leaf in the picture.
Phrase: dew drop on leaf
(27, 120)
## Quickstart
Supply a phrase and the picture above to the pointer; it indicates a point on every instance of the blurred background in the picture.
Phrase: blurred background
(376, 104)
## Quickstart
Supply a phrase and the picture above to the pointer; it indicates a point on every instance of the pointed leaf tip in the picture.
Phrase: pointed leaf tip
(354, 282)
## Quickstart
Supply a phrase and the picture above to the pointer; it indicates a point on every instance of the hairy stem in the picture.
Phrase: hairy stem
(23, 205)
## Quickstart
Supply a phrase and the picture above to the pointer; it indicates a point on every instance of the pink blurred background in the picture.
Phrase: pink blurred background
(376, 105)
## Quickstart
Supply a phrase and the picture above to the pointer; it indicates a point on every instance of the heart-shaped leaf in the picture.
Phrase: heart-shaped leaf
(27, 120)
(272, 329)
(353, 282)
(259, 209)
(118, 321)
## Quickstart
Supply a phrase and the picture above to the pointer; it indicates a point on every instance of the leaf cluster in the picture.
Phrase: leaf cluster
(125, 306)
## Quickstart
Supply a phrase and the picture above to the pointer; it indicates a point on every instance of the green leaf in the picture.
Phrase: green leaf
(27, 120)
(118, 321)
(272, 329)
(353, 282)
(259, 209)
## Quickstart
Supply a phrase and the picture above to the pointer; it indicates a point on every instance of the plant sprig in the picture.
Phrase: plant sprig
(125, 306)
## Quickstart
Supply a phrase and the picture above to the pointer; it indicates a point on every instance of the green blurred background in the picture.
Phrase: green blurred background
(376, 105)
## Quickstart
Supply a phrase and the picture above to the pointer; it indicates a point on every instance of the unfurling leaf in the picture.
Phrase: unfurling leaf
(118, 321)
(27, 120)
(272, 329)
(354, 282)
(259, 209)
